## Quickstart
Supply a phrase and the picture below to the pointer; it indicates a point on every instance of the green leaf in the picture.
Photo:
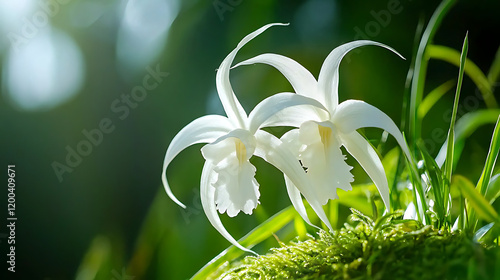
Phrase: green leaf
(358, 198)
(494, 72)
(478, 77)
(493, 190)
(491, 158)
(435, 176)
(419, 73)
(259, 234)
(464, 127)
(97, 262)
(475, 199)
(448, 165)
(433, 96)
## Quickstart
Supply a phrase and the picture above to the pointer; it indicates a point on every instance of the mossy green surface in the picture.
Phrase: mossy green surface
(388, 249)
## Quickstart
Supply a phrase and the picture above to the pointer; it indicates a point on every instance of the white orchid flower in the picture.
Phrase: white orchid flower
(321, 134)
(228, 181)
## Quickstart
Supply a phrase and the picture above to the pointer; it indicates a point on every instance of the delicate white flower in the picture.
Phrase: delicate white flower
(228, 178)
(321, 134)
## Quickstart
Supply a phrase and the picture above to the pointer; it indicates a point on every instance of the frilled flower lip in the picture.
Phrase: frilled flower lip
(232, 141)
(346, 117)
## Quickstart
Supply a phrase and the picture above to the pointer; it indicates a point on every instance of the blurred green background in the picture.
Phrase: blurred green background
(71, 68)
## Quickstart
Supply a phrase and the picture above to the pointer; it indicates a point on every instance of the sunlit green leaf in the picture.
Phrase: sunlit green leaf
(484, 180)
(478, 77)
(435, 176)
(448, 164)
(433, 97)
(494, 72)
(475, 199)
(96, 263)
(493, 190)
(464, 127)
(259, 234)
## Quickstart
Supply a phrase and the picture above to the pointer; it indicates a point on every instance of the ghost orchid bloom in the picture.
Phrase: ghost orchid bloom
(320, 135)
(228, 181)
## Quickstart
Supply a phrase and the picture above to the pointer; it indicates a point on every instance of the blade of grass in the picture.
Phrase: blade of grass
(477, 76)
(475, 199)
(448, 164)
(419, 73)
(418, 192)
(494, 72)
(464, 127)
(259, 234)
(358, 199)
(491, 158)
(300, 227)
(409, 75)
(493, 190)
(433, 96)
(435, 176)
(97, 261)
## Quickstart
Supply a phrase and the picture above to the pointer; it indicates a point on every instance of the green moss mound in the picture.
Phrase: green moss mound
(389, 249)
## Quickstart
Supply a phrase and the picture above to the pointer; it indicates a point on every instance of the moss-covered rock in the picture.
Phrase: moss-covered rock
(388, 249)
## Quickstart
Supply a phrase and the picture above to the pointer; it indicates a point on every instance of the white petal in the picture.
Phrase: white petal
(215, 150)
(272, 150)
(353, 114)
(231, 105)
(295, 116)
(277, 103)
(290, 140)
(302, 81)
(236, 187)
(368, 158)
(410, 212)
(328, 80)
(202, 130)
(325, 163)
(296, 200)
(207, 193)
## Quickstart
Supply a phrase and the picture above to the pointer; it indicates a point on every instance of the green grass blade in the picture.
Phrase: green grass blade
(434, 174)
(448, 164)
(259, 234)
(419, 73)
(493, 190)
(464, 127)
(477, 76)
(409, 75)
(433, 96)
(475, 199)
(494, 72)
(490, 160)
(357, 198)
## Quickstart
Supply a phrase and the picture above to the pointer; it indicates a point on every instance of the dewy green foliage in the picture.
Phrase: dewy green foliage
(389, 249)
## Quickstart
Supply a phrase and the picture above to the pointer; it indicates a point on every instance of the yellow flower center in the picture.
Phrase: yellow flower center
(325, 133)
(241, 151)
